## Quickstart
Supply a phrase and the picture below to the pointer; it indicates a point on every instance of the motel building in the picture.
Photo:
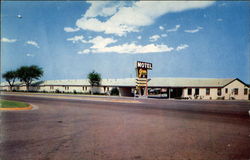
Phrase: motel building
(179, 88)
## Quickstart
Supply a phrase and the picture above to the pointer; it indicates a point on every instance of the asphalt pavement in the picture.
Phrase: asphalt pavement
(102, 128)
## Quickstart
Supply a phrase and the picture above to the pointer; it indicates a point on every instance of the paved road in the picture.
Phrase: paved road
(81, 129)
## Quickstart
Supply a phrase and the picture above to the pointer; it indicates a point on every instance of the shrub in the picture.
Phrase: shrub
(57, 91)
(232, 98)
(114, 91)
(220, 98)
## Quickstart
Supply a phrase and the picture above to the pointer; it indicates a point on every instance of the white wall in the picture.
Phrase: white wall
(231, 93)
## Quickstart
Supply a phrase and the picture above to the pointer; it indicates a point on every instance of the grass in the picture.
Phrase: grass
(12, 104)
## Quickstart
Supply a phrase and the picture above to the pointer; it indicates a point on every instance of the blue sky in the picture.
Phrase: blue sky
(181, 39)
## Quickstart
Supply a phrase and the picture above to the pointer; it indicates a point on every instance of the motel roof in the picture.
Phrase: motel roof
(131, 82)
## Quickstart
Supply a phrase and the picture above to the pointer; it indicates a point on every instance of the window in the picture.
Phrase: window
(83, 88)
(51, 87)
(245, 91)
(197, 91)
(189, 91)
(207, 91)
(107, 88)
(219, 91)
(66, 87)
(236, 91)
(226, 90)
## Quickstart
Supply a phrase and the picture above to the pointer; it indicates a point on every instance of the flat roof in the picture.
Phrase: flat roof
(154, 82)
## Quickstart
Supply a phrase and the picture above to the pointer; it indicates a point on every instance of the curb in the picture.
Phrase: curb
(16, 109)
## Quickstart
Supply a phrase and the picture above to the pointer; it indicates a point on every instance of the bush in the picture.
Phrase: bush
(220, 98)
(181, 97)
(98, 93)
(232, 98)
(57, 91)
(114, 91)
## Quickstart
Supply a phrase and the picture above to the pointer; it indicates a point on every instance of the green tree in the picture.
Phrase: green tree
(10, 77)
(94, 79)
(27, 74)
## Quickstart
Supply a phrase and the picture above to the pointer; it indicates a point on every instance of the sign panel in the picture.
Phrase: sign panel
(142, 73)
(144, 65)
(141, 85)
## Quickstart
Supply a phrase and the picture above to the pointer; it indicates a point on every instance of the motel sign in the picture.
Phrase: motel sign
(144, 65)
(142, 76)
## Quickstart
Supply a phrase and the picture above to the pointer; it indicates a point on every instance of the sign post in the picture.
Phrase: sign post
(142, 76)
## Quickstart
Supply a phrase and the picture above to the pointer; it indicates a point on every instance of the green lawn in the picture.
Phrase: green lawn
(12, 104)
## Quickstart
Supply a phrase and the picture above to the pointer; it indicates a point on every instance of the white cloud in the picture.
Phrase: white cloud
(139, 37)
(132, 48)
(161, 27)
(85, 51)
(100, 45)
(100, 42)
(8, 40)
(219, 19)
(29, 55)
(182, 46)
(102, 8)
(164, 35)
(33, 43)
(108, 27)
(154, 38)
(174, 29)
(194, 30)
(124, 19)
(76, 39)
(69, 29)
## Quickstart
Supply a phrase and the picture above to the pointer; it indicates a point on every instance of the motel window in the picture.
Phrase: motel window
(51, 87)
(245, 91)
(189, 91)
(226, 90)
(219, 91)
(66, 87)
(207, 91)
(236, 91)
(197, 91)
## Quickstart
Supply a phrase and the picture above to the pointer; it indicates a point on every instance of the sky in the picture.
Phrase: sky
(69, 39)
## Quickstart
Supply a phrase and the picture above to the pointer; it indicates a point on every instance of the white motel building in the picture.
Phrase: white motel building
(183, 88)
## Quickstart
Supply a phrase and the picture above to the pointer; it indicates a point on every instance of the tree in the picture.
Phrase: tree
(114, 91)
(10, 77)
(94, 79)
(27, 74)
